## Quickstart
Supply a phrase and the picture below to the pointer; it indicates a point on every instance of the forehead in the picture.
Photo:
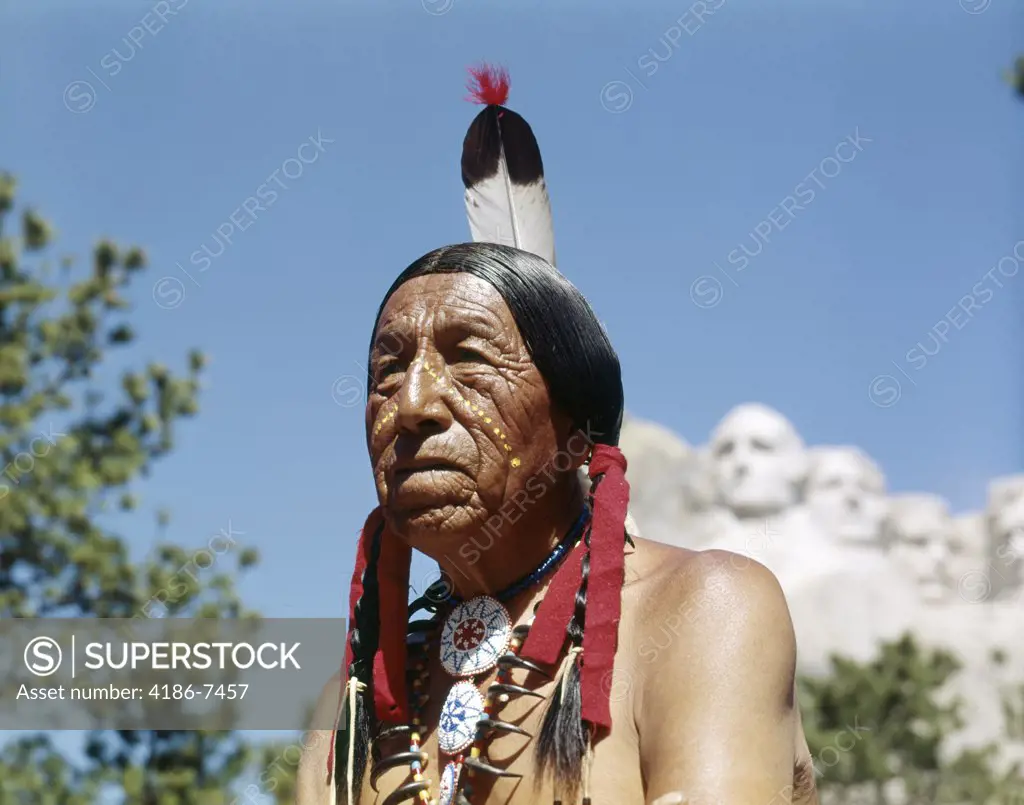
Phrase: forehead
(448, 300)
(838, 463)
(1006, 491)
(751, 424)
(915, 513)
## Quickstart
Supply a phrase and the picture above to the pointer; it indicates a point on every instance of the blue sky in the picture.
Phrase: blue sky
(740, 110)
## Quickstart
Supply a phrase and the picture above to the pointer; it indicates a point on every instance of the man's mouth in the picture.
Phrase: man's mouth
(405, 471)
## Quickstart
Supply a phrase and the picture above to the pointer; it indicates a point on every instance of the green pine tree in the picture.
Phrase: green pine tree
(69, 451)
(872, 725)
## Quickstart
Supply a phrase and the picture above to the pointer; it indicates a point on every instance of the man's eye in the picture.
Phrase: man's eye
(467, 355)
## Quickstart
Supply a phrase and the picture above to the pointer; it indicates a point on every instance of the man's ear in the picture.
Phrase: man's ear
(572, 440)
(578, 446)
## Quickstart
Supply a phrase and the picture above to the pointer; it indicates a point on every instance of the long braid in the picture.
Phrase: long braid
(562, 742)
(363, 640)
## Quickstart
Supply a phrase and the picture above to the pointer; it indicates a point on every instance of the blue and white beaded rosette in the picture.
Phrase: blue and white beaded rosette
(462, 710)
(449, 782)
(475, 636)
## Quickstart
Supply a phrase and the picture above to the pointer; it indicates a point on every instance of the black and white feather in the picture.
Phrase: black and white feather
(506, 196)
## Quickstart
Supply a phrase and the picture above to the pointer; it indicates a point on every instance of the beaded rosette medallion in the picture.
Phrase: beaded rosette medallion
(475, 635)
(475, 638)
(449, 783)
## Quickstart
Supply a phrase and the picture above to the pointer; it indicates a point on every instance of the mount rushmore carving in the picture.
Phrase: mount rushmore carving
(859, 565)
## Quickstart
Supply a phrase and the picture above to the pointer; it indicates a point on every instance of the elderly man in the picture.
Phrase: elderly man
(491, 383)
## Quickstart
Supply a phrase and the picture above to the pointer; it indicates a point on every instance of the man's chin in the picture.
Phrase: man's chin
(751, 500)
(422, 521)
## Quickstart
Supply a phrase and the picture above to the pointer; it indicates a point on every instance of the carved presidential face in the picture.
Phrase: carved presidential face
(845, 494)
(920, 532)
(1005, 517)
(758, 461)
(459, 418)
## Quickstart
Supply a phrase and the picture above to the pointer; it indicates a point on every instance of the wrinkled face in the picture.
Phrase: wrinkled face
(922, 533)
(459, 418)
(756, 463)
(846, 498)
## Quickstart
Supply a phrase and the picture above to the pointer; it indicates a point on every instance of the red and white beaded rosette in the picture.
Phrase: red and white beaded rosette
(475, 636)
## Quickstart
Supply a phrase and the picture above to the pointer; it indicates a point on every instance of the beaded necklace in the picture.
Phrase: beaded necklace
(452, 774)
(476, 638)
(542, 570)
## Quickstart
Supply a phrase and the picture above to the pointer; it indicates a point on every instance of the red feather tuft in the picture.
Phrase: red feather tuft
(488, 85)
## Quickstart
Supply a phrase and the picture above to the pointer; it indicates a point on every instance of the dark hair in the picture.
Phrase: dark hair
(571, 350)
(567, 343)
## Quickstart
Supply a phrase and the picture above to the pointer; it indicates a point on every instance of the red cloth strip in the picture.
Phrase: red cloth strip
(547, 635)
(604, 583)
(389, 663)
(355, 592)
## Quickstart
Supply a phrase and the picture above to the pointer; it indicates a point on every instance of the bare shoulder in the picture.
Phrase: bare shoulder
(716, 619)
(705, 590)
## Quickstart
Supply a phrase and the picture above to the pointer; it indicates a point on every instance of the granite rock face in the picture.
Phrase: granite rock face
(858, 564)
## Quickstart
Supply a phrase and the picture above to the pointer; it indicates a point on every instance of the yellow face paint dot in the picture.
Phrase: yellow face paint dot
(508, 448)
(487, 420)
(515, 462)
(497, 431)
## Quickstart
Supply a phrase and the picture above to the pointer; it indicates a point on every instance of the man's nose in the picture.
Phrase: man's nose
(422, 409)
(937, 551)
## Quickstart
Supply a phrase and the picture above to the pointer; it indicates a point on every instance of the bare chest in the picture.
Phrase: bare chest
(516, 701)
